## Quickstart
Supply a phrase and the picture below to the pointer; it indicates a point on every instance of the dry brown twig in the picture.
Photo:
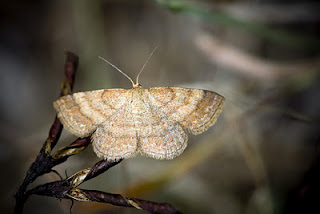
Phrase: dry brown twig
(67, 188)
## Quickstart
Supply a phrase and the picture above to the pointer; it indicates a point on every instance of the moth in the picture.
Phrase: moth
(125, 122)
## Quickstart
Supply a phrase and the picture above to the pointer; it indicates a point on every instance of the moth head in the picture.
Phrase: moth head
(134, 85)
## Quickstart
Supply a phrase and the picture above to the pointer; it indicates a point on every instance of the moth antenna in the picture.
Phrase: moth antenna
(134, 85)
(137, 80)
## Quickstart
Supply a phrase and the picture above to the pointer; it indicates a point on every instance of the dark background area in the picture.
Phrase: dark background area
(262, 56)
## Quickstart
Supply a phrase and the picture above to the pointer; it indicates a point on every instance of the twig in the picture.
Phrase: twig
(43, 163)
(60, 189)
(119, 200)
(67, 189)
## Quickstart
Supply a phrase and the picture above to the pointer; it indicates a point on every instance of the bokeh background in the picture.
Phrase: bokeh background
(262, 56)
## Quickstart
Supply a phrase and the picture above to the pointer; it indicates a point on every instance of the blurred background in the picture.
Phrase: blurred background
(263, 56)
